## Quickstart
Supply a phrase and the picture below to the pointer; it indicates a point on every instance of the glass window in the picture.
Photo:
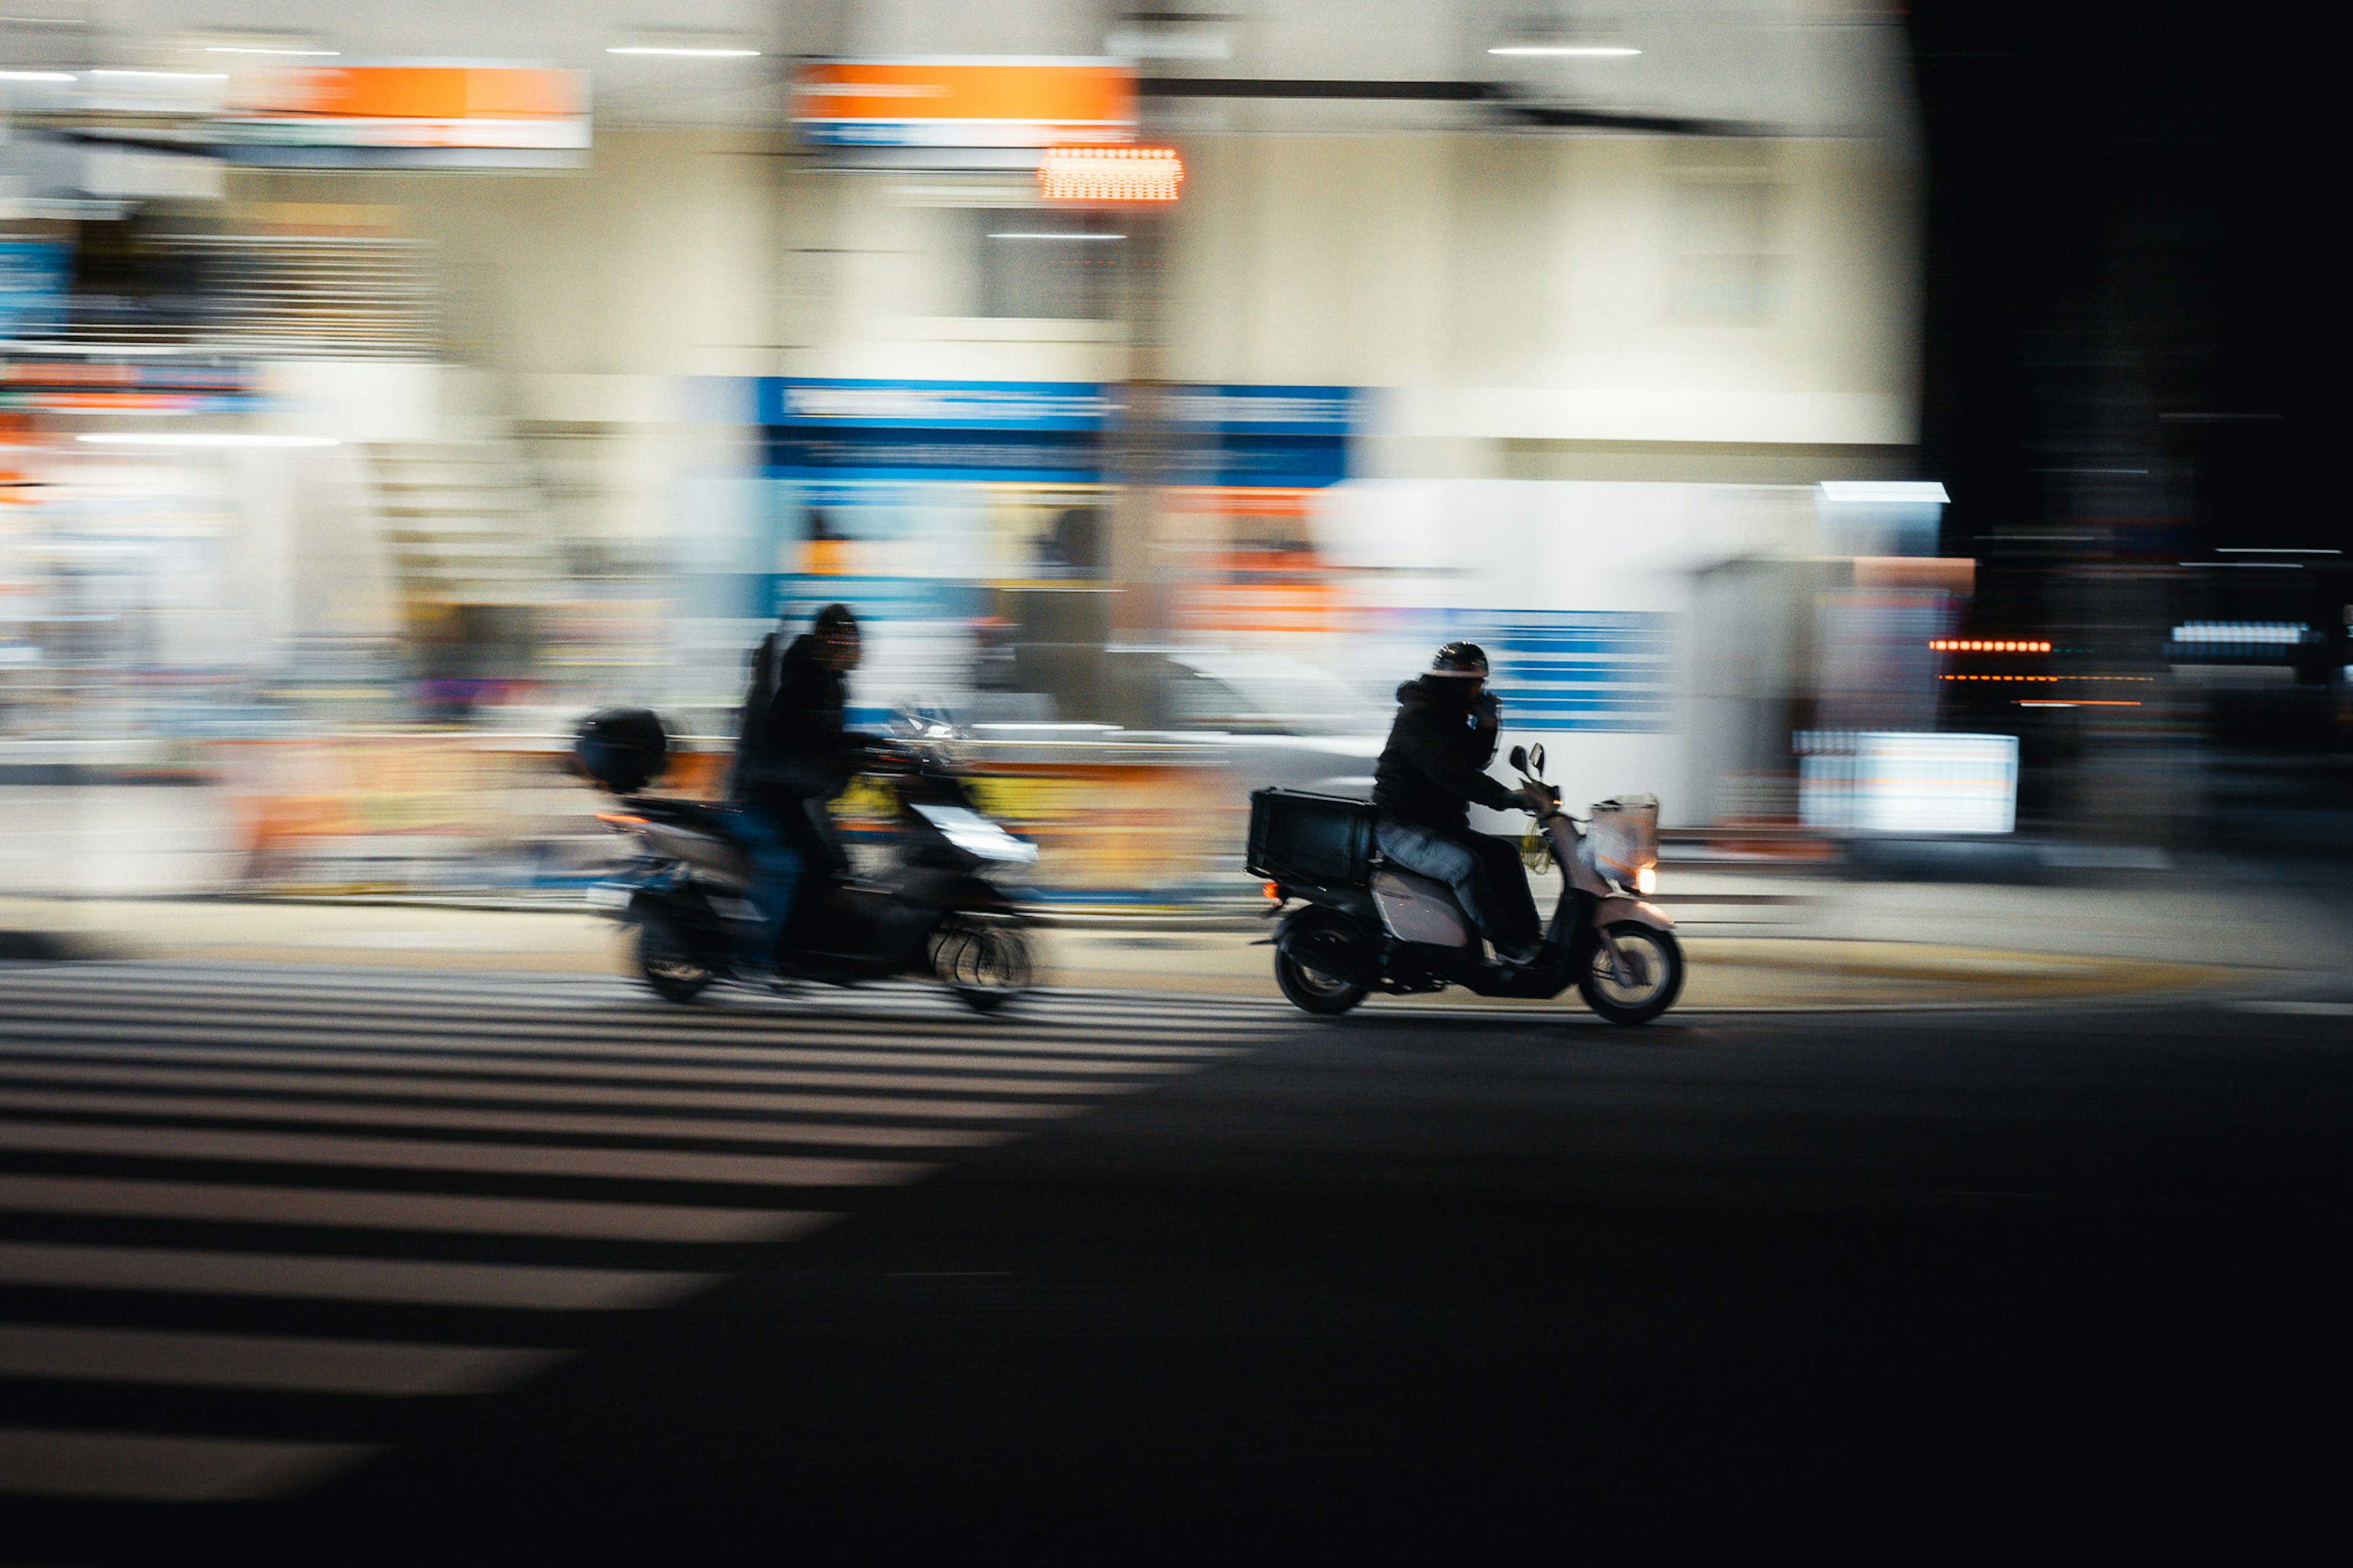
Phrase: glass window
(1062, 265)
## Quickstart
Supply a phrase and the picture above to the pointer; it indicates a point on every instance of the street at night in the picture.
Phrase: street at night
(1452, 782)
(1148, 1269)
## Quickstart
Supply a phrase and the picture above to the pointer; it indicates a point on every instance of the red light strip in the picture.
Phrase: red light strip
(1110, 175)
(1972, 645)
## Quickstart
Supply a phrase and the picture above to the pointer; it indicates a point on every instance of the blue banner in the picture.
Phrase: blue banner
(1049, 432)
(33, 277)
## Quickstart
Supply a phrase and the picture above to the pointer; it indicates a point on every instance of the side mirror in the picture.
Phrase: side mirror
(1520, 757)
(1536, 760)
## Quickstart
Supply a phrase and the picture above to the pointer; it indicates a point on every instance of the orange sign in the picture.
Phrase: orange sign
(982, 102)
(416, 92)
(408, 106)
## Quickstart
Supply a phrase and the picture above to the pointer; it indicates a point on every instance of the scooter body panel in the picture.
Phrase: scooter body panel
(1608, 912)
(1419, 908)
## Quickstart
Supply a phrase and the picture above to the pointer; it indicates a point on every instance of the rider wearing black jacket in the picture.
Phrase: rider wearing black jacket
(1430, 773)
(792, 755)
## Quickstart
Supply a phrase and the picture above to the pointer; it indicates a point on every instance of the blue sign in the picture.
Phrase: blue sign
(1049, 432)
(1037, 431)
(33, 277)
(1578, 669)
(830, 404)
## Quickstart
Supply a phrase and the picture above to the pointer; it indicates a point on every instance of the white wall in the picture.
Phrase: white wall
(1528, 288)
(1509, 545)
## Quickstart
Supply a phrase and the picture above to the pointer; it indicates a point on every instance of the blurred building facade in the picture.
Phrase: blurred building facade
(1469, 320)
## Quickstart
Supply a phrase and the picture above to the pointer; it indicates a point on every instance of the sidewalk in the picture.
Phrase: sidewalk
(1755, 941)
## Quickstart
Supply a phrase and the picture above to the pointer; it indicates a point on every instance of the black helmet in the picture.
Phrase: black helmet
(1463, 659)
(834, 620)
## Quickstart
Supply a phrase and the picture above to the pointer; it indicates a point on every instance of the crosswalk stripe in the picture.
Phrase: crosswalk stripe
(439, 1087)
(404, 1280)
(452, 1118)
(274, 1100)
(276, 1362)
(149, 1468)
(912, 1006)
(1120, 1049)
(423, 1154)
(342, 1208)
(651, 1072)
(331, 1036)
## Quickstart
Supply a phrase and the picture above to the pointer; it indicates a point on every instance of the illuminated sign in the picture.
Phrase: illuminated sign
(959, 101)
(1110, 175)
(441, 115)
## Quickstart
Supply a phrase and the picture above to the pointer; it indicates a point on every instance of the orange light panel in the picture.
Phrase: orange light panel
(1110, 175)
(968, 101)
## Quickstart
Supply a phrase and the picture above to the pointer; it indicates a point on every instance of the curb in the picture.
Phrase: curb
(47, 947)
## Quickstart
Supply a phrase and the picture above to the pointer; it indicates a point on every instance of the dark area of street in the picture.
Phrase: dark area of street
(1904, 1283)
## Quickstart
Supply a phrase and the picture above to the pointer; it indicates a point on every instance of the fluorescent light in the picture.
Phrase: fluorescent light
(1575, 51)
(35, 76)
(257, 49)
(169, 76)
(99, 351)
(1884, 492)
(209, 438)
(690, 54)
(2270, 550)
(1049, 236)
(2285, 632)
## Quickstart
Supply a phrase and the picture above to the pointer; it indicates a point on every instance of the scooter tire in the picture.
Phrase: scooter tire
(1313, 992)
(1660, 996)
(986, 962)
(666, 963)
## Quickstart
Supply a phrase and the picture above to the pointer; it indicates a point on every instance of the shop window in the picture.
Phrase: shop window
(1058, 266)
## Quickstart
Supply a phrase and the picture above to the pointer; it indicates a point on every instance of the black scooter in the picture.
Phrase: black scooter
(931, 911)
(1361, 924)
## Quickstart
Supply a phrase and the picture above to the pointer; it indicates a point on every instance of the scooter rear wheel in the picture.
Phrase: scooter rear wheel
(667, 962)
(1323, 995)
(1654, 978)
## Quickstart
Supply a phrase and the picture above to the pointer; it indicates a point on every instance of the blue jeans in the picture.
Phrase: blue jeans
(775, 875)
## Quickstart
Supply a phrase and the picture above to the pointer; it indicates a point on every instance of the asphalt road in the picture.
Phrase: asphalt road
(359, 1265)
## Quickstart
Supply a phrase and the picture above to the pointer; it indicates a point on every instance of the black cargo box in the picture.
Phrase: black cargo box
(624, 749)
(1310, 840)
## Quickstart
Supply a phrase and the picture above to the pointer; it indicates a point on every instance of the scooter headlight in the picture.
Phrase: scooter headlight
(1646, 881)
(977, 837)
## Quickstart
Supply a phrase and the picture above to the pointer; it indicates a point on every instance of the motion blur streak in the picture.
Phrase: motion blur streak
(1890, 448)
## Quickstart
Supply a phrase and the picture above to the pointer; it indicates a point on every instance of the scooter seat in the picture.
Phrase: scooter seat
(697, 815)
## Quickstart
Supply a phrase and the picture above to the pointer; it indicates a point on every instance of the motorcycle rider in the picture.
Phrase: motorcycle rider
(792, 755)
(1432, 769)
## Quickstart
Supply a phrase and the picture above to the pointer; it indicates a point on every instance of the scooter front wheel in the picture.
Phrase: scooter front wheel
(1643, 982)
(986, 963)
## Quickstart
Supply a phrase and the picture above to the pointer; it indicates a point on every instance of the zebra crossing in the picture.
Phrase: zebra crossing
(260, 1222)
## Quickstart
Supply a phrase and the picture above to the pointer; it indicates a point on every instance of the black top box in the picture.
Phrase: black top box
(624, 749)
(1307, 840)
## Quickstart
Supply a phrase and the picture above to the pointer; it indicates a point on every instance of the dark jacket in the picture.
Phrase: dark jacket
(1435, 762)
(792, 745)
